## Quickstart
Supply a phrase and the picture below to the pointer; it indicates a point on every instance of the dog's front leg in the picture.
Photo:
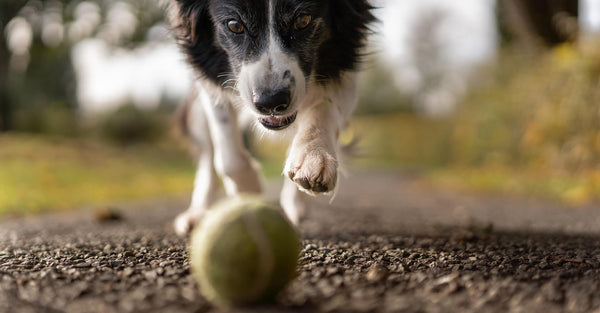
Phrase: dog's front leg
(206, 183)
(312, 158)
(232, 161)
(213, 127)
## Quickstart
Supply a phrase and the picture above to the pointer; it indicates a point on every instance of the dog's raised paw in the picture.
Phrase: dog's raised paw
(315, 171)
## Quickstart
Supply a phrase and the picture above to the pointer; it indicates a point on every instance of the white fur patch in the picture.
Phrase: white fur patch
(269, 73)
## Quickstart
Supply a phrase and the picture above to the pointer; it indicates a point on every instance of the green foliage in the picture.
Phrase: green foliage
(47, 80)
(541, 113)
(531, 125)
(128, 125)
(400, 139)
(379, 94)
(51, 121)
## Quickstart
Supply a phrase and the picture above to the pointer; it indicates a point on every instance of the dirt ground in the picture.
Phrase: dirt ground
(386, 244)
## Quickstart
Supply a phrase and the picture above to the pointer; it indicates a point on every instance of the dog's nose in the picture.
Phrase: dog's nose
(272, 102)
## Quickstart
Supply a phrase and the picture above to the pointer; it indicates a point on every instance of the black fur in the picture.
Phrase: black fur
(304, 44)
(325, 51)
(195, 34)
(248, 45)
(349, 23)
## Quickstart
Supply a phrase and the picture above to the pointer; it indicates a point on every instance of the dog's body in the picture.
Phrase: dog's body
(287, 64)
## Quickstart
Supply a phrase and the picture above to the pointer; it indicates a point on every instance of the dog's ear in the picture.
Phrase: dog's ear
(195, 33)
(349, 24)
(187, 18)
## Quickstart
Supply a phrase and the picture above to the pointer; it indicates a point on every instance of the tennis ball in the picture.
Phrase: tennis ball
(244, 251)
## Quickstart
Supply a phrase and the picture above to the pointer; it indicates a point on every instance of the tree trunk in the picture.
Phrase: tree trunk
(8, 10)
(538, 23)
(5, 101)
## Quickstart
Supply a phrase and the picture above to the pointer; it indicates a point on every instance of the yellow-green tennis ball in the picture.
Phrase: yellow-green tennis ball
(245, 251)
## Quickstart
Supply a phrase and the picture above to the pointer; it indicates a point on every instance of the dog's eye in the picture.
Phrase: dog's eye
(235, 26)
(303, 21)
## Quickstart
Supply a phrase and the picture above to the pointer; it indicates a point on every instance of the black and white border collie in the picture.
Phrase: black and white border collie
(289, 65)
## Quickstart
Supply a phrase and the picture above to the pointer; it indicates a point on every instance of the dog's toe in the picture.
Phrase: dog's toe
(303, 182)
(320, 187)
(185, 222)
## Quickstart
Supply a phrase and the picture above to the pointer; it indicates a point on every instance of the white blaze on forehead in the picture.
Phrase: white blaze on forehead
(271, 15)
(274, 46)
(269, 71)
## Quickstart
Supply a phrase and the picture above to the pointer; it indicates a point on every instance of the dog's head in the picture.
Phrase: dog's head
(272, 50)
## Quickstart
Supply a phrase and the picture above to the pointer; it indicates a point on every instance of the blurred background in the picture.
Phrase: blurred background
(497, 96)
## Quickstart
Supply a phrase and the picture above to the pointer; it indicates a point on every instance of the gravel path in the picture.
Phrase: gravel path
(386, 244)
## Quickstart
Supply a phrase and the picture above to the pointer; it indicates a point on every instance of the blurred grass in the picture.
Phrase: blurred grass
(570, 188)
(40, 173)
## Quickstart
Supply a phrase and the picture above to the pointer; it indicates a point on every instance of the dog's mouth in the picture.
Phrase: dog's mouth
(274, 122)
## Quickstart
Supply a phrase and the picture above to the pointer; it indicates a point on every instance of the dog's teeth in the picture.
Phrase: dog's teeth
(277, 122)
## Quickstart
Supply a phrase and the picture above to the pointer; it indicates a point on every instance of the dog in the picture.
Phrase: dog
(287, 67)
